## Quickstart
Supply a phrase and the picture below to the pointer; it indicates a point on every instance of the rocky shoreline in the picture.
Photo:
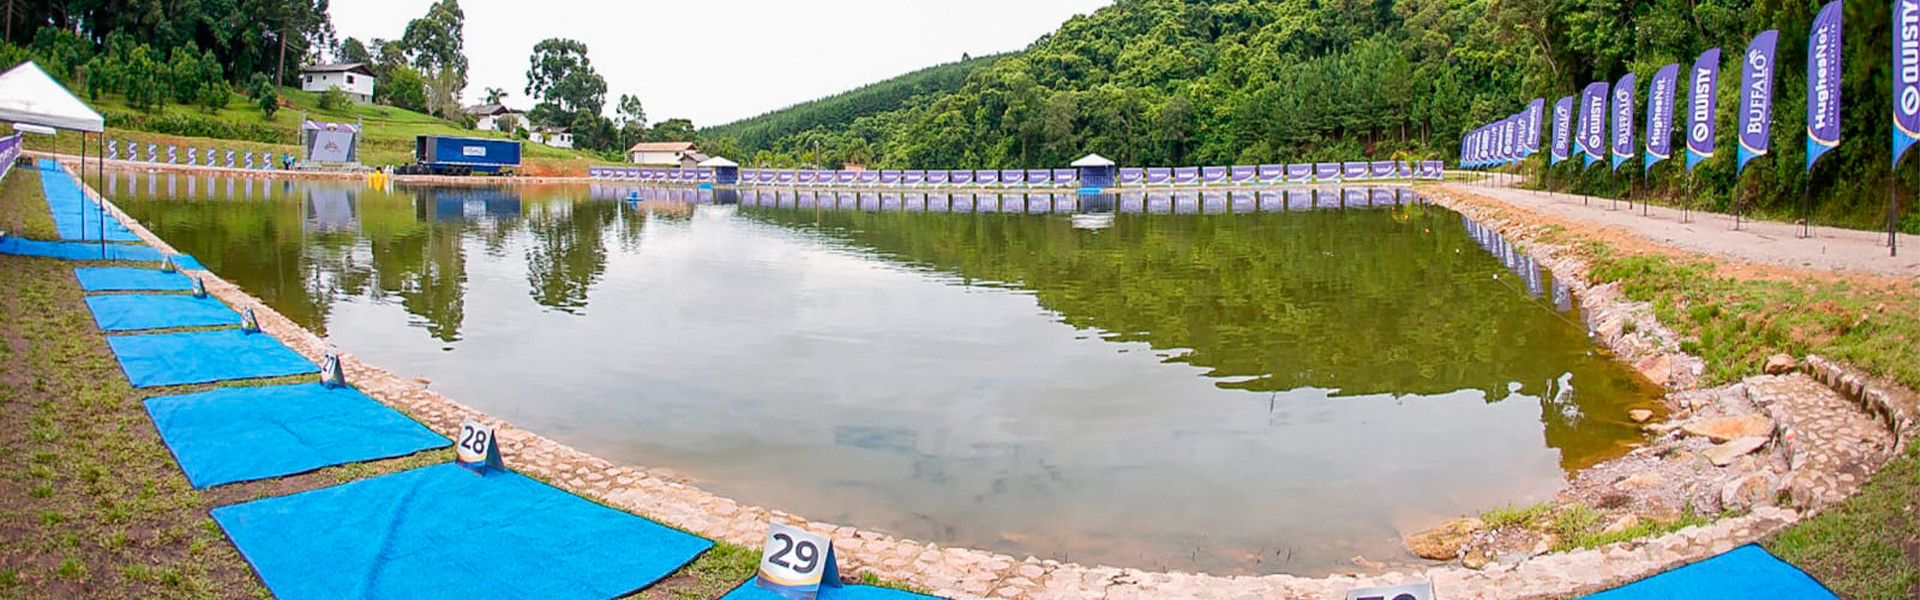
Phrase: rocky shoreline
(1798, 458)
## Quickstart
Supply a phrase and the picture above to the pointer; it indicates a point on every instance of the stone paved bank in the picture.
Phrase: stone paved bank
(966, 574)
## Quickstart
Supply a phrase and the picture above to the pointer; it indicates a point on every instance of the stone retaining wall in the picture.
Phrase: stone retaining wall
(966, 574)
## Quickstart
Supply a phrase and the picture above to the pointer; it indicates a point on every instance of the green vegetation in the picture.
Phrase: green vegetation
(795, 131)
(1866, 548)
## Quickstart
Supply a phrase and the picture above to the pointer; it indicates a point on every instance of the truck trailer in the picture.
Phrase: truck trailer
(447, 155)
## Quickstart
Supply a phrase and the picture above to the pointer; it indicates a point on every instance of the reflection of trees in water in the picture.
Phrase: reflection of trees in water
(1360, 301)
(566, 255)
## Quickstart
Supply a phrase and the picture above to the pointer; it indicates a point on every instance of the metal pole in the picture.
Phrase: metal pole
(1893, 211)
(1736, 200)
(1686, 204)
(1806, 206)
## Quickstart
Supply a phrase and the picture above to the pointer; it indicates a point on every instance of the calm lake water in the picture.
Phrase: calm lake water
(1228, 382)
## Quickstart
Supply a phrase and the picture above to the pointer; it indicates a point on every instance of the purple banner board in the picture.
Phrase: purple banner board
(867, 177)
(890, 177)
(1213, 174)
(1593, 120)
(1182, 175)
(1066, 177)
(1039, 177)
(1326, 171)
(1132, 175)
(846, 177)
(1660, 114)
(938, 177)
(1906, 78)
(784, 177)
(1433, 169)
(1623, 119)
(1353, 171)
(1381, 169)
(913, 177)
(960, 177)
(1271, 173)
(1159, 175)
(1299, 172)
(1756, 97)
(767, 176)
(1823, 83)
(986, 177)
(1013, 177)
(1703, 83)
(1243, 173)
(805, 176)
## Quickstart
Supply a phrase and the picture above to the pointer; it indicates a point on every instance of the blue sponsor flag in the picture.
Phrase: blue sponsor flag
(1823, 83)
(1703, 83)
(1756, 97)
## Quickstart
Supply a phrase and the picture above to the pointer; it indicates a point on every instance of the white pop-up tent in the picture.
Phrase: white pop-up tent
(34, 102)
(29, 95)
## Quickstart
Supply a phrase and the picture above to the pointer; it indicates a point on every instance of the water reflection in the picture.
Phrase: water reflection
(1235, 381)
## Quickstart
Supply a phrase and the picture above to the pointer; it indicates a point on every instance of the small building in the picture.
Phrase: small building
(557, 137)
(665, 154)
(356, 79)
(725, 172)
(487, 117)
(1096, 171)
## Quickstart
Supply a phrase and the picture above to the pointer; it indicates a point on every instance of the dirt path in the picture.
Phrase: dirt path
(1766, 242)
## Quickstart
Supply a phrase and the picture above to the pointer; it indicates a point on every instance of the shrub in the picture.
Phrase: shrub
(264, 95)
(333, 99)
(194, 125)
(215, 96)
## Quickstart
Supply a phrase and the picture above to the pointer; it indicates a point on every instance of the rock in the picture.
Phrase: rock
(1443, 542)
(1722, 429)
(1545, 544)
(1748, 491)
(1639, 415)
(1640, 480)
(1724, 454)
(1476, 560)
(1658, 369)
(1622, 524)
(1367, 564)
(1781, 364)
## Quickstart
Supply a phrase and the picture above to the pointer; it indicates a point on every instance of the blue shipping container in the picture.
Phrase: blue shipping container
(477, 155)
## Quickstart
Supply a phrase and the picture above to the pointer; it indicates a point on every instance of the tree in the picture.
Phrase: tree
(352, 51)
(673, 130)
(631, 111)
(265, 94)
(495, 95)
(402, 87)
(435, 44)
(559, 73)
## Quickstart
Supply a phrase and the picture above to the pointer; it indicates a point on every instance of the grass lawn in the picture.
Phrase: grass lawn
(92, 504)
(388, 140)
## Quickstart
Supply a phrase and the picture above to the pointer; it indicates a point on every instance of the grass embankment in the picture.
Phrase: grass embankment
(388, 139)
(92, 504)
(1868, 548)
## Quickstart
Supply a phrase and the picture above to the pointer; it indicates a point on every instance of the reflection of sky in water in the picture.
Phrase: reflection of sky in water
(783, 365)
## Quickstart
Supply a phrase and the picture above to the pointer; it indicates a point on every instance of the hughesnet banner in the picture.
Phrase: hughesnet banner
(1823, 83)
(1660, 114)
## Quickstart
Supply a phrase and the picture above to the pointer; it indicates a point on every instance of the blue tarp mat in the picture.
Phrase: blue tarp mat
(75, 216)
(135, 312)
(752, 591)
(203, 357)
(242, 433)
(77, 250)
(187, 262)
(127, 279)
(444, 532)
(1746, 573)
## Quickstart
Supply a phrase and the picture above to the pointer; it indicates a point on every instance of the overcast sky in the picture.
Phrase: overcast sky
(722, 60)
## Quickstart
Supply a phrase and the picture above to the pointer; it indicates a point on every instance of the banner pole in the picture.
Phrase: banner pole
(1686, 203)
(1806, 204)
(1736, 200)
(1893, 210)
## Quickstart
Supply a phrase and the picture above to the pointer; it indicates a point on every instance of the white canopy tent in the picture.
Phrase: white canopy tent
(29, 95)
(33, 101)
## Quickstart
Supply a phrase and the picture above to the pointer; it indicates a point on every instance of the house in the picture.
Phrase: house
(486, 117)
(356, 79)
(665, 154)
(557, 137)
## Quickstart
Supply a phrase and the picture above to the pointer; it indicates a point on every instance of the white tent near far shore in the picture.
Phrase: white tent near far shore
(29, 95)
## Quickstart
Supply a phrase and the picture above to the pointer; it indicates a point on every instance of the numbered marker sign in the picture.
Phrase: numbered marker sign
(248, 322)
(1411, 591)
(796, 562)
(199, 288)
(475, 448)
(330, 374)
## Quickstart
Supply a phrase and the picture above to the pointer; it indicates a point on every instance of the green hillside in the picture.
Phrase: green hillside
(833, 115)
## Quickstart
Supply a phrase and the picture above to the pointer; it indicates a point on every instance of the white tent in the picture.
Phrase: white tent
(718, 161)
(1092, 160)
(29, 95)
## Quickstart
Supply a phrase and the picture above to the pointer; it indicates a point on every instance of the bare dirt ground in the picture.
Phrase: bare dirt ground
(1842, 251)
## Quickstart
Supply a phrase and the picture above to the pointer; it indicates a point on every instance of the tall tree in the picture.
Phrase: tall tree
(560, 74)
(436, 45)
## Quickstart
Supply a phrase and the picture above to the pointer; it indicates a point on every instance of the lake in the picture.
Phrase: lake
(1230, 382)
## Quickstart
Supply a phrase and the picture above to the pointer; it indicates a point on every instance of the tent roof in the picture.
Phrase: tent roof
(1092, 160)
(29, 95)
(718, 161)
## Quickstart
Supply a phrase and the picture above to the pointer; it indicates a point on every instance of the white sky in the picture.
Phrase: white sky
(723, 60)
